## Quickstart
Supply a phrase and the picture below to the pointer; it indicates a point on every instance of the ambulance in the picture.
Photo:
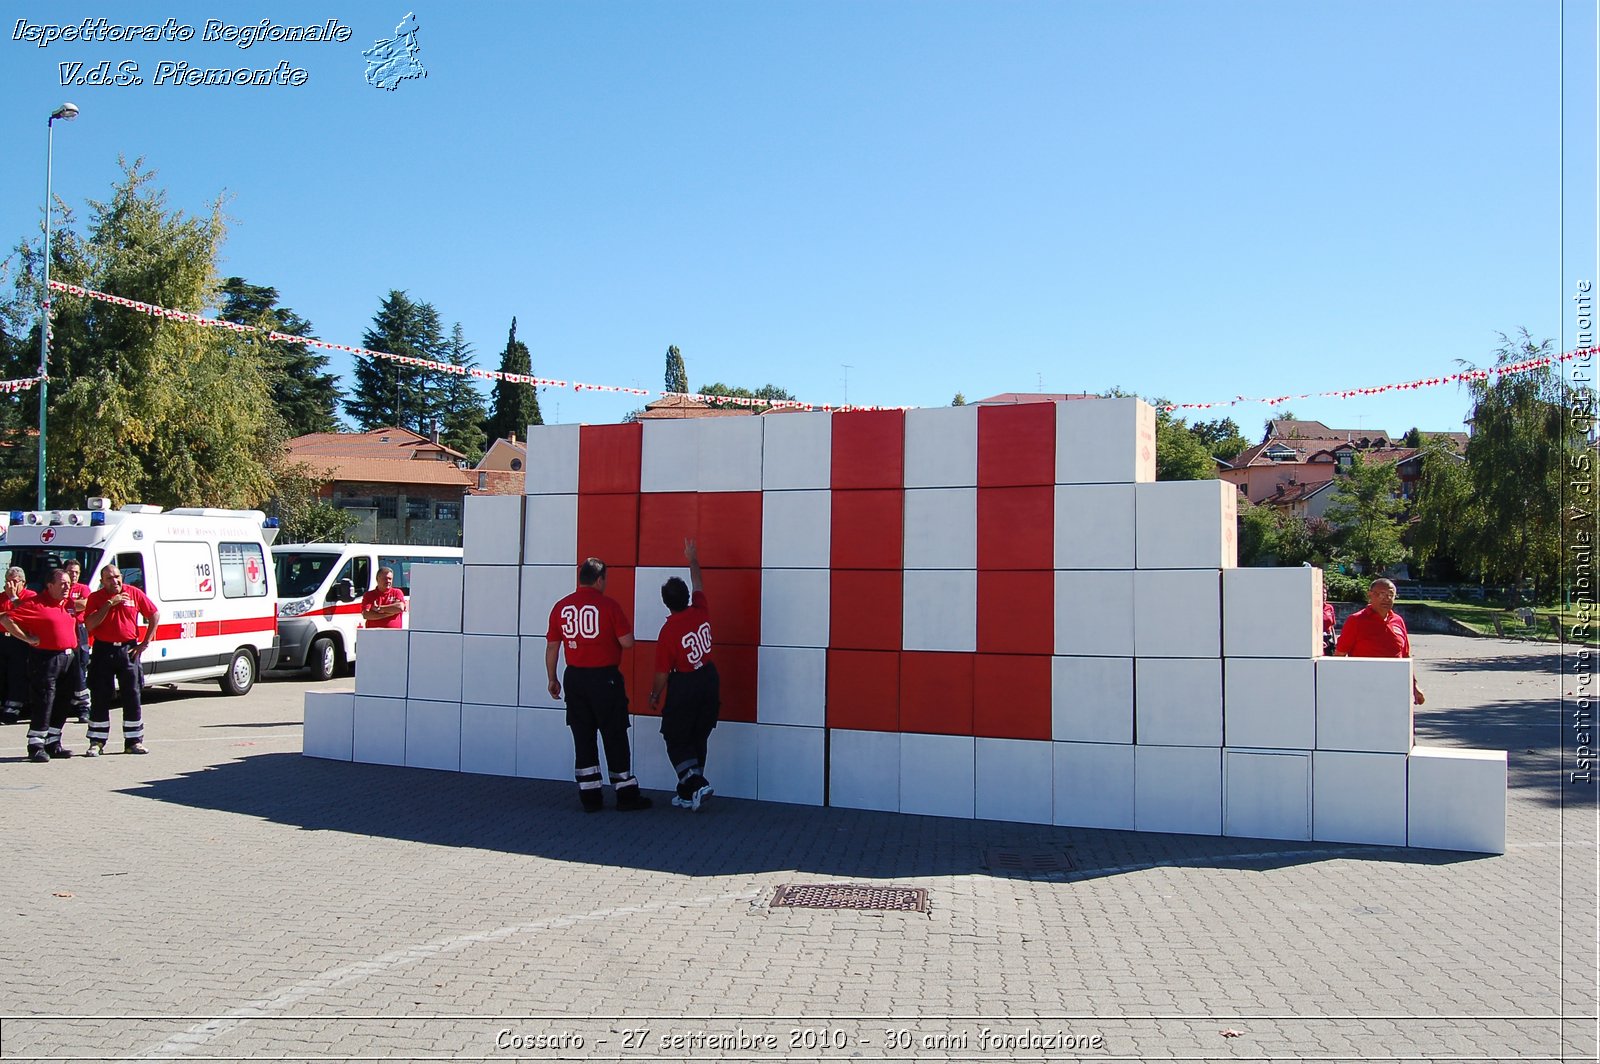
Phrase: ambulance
(207, 571)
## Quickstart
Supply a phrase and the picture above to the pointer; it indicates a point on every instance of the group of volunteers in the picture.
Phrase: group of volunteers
(68, 652)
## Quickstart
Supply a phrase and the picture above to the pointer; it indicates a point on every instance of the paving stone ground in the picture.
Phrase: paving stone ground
(227, 898)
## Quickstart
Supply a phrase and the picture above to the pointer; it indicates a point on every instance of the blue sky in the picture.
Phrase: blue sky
(1191, 200)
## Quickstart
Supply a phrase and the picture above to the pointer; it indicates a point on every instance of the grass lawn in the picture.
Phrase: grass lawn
(1481, 619)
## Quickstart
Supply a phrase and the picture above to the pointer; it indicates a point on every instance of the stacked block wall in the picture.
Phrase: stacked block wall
(988, 612)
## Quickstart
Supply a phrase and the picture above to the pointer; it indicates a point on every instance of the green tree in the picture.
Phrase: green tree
(766, 394)
(1221, 437)
(459, 403)
(677, 376)
(391, 393)
(303, 517)
(147, 409)
(1364, 505)
(306, 397)
(515, 406)
(959, 400)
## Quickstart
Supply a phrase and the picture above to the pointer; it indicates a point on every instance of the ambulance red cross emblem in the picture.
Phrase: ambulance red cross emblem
(47, 535)
(252, 571)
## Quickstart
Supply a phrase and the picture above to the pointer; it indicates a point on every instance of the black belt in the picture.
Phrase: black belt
(124, 646)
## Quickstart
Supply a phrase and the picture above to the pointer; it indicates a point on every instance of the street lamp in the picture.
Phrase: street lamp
(66, 112)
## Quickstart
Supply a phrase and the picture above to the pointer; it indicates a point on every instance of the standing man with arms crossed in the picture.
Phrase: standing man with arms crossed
(688, 678)
(113, 617)
(385, 605)
(45, 625)
(1377, 631)
(593, 631)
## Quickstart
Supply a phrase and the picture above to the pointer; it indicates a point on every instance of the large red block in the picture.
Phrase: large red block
(936, 693)
(666, 519)
(608, 529)
(734, 596)
(609, 458)
(1016, 445)
(729, 530)
(864, 690)
(864, 609)
(1011, 696)
(1016, 528)
(868, 530)
(619, 587)
(639, 666)
(736, 670)
(869, 449)
(1016, 612)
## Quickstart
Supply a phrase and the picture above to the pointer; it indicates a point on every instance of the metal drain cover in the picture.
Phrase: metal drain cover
(1027, 862)
(850, 896)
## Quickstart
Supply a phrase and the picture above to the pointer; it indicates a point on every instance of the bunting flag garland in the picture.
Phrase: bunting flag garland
(1542, 362)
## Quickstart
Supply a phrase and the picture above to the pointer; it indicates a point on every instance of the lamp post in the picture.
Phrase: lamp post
(66, 112)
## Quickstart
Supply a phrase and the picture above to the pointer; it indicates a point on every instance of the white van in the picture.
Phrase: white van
(320, 587)
(205, 569)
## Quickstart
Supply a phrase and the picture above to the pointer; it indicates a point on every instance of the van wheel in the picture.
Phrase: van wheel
(323, 659)
(241, 674)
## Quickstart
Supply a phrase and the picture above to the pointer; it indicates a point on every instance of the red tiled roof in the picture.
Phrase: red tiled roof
(385, 470)
(1014, 398)
(682, 406)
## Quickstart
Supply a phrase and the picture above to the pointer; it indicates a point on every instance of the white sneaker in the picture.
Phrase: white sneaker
(700, 796)
(681, 803)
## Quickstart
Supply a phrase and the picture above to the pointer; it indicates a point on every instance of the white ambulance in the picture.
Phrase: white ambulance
(320, 587)
(206, 570)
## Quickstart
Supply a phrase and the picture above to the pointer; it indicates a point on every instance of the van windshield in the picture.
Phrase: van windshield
(300, 573)
(40, 562)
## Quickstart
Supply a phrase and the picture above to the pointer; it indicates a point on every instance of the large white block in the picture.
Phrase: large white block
(1178, 702)
(490, 600)
(434, 603)
(791, 764)
(542, 587)
(938, 775)
(329, 725)
(433, 735)
(942, 447)
(733, 759)
(792, 686)
(864, 769)
(435, 674)
(1272, 613)
(1178, 789)
(552, 466)
(544, 745)
(1266, 794)
(1364, 704)
(671, 456)
(1358, 798)
(1186, 524)
(940, 609)
(1456, 799)
(651, 766)
(1270, 703)
(1015, 780)
(796, 529)
(794, 607)
(1094, 785)
(941, 528)
(730, 453)
(550, 531)
(489, 740)
(1094, 526)
(649, 612)
(1177, 613)
(533, 686)
(381, 661)
(796, 451)
(1105, 441)
(379, 730)
(491, 530)
(489, 668)
(1094, 613)
(1092, 700)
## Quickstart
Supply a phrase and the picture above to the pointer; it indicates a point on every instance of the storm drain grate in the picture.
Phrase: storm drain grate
(850, 896)
(1027, 862)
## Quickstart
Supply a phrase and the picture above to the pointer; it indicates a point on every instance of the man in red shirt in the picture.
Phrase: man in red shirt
(112, 614)
(1377, 631)
(45, 625)
(688, 678)
(592, 631)
(13, 651)
(77, 597)
(385, 605)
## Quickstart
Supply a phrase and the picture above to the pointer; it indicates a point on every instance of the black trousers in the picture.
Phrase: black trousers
(694, 701)
(597, 701)
(113, 671)
(13, 676)
(49, 696)
(80, 672)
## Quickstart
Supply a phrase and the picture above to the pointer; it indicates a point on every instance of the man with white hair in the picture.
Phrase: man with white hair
(1378, 631)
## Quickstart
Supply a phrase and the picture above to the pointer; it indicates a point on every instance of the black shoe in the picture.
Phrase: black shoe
(10, 718)
(631, 800)
(592, 802)
(57, 750)
(38, 756)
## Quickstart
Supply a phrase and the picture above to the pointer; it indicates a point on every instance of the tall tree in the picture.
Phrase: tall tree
(142, 408)
(1449, 520)
(392, 393)
(515, 406)
(460, 404)
(1364, 504)
(766, 395)
(1221, 437)
(677, 377)
(307, 397)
